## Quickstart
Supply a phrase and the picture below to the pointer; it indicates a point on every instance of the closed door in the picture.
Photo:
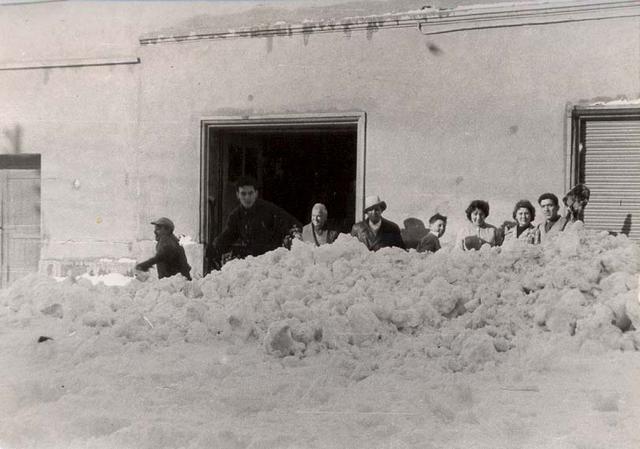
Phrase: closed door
(610, 152)
(19, 223)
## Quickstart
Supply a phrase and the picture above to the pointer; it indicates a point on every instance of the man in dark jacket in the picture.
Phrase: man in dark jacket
(374, 231)
(170, 258)
(254, 227)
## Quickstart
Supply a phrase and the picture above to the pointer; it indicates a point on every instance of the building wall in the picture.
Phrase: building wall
(450, 118)
(84, 128)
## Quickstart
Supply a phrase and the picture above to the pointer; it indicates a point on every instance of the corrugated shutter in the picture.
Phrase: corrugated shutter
(612, 172)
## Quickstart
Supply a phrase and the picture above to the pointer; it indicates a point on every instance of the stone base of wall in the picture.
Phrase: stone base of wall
(101, 266)
(94, 267)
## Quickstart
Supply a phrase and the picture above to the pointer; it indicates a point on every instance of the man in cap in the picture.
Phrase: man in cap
(554, 223)
(374, 231)
(170, 258)
(254, 227)
(317, 231)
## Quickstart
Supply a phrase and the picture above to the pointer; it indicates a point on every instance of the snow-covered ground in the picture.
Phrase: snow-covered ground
(335, 347)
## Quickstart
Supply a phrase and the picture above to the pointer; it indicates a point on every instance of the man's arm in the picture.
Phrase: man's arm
(164, 251)
(355, 230)
(228, 236)
(284, 223)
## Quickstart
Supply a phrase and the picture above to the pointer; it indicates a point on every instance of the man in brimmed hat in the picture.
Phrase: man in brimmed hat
(374, 231)
(170, 258)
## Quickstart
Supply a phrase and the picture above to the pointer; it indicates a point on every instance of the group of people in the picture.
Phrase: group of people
(257, 226)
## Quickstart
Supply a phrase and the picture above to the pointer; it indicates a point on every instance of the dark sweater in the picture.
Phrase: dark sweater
(170, 258)
(256, 230)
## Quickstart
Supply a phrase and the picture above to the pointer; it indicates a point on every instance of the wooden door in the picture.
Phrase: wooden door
(19, 223)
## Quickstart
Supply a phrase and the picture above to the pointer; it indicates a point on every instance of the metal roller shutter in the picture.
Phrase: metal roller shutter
(612, 172)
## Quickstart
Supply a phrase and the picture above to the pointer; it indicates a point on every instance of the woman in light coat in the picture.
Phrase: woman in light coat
(478, 232)
(523, 213)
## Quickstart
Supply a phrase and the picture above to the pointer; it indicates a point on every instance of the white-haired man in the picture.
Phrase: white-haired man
(317, 231)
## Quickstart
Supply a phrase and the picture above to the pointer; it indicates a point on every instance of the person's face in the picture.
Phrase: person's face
(549, 208)
(523, 216)
(438, 227)
(477, 217)
(247, 196)
(374, 215)
(159, 231)
(318, 217)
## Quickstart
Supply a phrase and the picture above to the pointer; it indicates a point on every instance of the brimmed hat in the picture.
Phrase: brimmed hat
(164, 221)
(372, 201)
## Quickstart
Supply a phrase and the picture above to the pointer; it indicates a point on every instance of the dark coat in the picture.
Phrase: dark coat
(429, 244)
(170, 258)
(388, 235)
(254, 231)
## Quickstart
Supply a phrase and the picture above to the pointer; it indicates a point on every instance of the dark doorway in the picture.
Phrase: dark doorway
(295, 168)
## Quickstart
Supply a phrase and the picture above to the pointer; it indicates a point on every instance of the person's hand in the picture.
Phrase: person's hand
(140, 275)
(226, 257)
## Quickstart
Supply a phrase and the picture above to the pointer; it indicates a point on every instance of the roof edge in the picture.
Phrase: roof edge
(428, 20)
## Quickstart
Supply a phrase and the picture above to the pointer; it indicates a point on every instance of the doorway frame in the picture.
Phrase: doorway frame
(577, 115)
(282, 121)
(25, 165)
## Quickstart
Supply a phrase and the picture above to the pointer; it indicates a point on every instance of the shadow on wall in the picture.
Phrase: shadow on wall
(626, 226)
(15, 139)
(414, 231)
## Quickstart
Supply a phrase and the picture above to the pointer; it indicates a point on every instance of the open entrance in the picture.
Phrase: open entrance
(297, 163)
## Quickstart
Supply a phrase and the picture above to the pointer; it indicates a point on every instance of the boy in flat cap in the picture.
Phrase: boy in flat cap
(170, 258)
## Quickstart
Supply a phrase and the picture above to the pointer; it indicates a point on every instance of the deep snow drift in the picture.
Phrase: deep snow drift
(335, 347)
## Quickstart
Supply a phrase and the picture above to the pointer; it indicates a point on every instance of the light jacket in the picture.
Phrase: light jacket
(318, 237)
(529, 234)
(557, 227)
(474, 237)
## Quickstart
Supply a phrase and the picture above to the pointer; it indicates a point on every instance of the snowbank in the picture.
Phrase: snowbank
(344, 319)
(462, 309)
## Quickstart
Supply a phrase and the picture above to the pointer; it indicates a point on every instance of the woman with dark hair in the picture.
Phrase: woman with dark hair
(523, 213)
(478, 232)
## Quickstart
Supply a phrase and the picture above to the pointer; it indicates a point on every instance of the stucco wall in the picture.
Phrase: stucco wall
(450, 118)
(83, 123)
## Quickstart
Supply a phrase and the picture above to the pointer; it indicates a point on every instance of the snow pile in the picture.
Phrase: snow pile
(461, 309)
(334, 347)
